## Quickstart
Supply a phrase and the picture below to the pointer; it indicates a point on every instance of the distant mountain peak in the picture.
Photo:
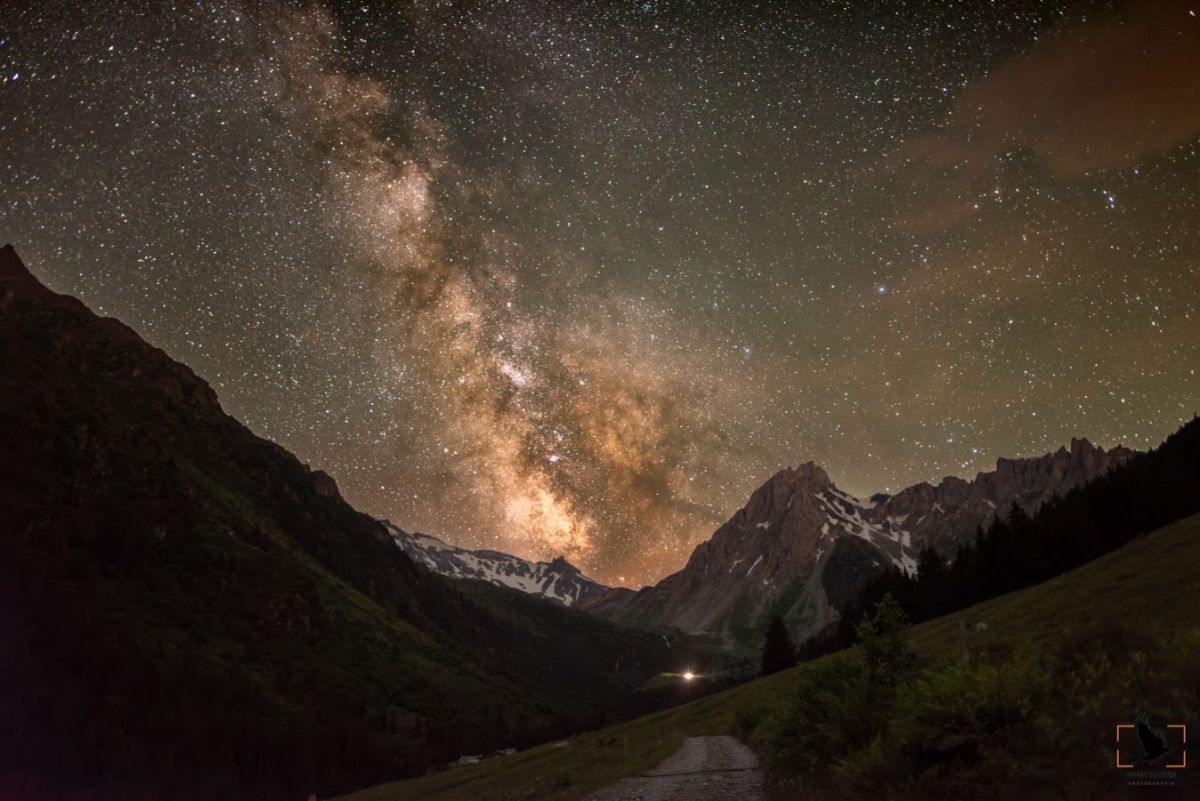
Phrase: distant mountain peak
(10, 262)
(557, 580)
(560, 563)
(806, 472)
(802, 538)
(16, 280)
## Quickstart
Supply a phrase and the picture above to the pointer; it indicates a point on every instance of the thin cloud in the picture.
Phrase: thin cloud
(1107, 93)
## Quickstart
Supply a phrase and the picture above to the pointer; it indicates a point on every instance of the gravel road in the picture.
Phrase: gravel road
(704, 769)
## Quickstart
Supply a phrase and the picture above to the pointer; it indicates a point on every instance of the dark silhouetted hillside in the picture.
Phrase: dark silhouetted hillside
(187, 611)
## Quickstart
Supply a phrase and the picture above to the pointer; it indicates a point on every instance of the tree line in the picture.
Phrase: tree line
(1018, 550)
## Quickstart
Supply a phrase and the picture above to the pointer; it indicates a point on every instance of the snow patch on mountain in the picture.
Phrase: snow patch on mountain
(557, 580)
(844, 513)
(803, 535)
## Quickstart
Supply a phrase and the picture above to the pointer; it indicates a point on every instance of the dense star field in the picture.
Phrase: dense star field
(574, 278)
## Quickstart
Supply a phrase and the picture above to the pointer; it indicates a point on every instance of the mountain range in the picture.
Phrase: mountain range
(801, 547)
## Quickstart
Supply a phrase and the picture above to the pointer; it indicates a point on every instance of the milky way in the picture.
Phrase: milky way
(574, 278)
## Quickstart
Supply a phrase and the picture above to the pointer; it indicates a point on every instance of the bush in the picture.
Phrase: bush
(982, 720)
(842, 705)
(882, 634)
(833, 713)
(1038, 719)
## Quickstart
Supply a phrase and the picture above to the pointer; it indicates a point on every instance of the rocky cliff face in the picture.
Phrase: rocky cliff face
(942, 515)
(785, 533)
(801, 547)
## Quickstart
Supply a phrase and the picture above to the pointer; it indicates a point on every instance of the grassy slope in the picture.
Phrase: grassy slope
(1152, 580)
(168, 576)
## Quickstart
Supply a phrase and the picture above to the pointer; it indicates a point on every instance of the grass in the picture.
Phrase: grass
(1152, 581)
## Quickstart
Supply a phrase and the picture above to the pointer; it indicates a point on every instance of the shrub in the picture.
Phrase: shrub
(882, 635)
(832, 714)
(983, 718)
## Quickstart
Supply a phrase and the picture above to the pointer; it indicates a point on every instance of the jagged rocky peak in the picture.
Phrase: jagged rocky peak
(808, 473)
(1081, 462)
(324, 484)
(788, 529)
(775, 497)
(942, 515)
(561, 565)
(1085, 460)
(801, 538)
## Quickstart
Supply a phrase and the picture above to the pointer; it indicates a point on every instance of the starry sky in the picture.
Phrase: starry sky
(575, 278)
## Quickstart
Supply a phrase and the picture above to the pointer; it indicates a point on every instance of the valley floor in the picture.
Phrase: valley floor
(704, 769)
(1152, 583)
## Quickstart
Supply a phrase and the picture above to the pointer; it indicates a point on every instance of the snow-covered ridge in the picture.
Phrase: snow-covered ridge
(845, 512)
(558, 580)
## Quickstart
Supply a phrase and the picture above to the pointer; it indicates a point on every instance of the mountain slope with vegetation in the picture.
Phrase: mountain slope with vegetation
(801, 547)
(1147, 491)
(1022, 707)
(187, 611)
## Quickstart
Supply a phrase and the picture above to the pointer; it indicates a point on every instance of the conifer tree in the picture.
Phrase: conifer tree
(779, 652)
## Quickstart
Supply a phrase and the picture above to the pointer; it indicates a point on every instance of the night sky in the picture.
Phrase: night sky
(576, 278)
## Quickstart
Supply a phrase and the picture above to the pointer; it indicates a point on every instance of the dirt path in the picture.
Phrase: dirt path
(704, 769)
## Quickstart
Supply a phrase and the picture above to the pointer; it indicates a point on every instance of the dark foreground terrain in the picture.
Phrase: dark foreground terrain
(187, 611)
(1025, 709)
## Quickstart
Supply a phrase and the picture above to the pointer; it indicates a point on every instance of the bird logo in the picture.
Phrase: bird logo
(1153, 742)
(1154, 746)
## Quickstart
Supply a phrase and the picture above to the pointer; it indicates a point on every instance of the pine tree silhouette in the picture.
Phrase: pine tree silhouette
(779, 652)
